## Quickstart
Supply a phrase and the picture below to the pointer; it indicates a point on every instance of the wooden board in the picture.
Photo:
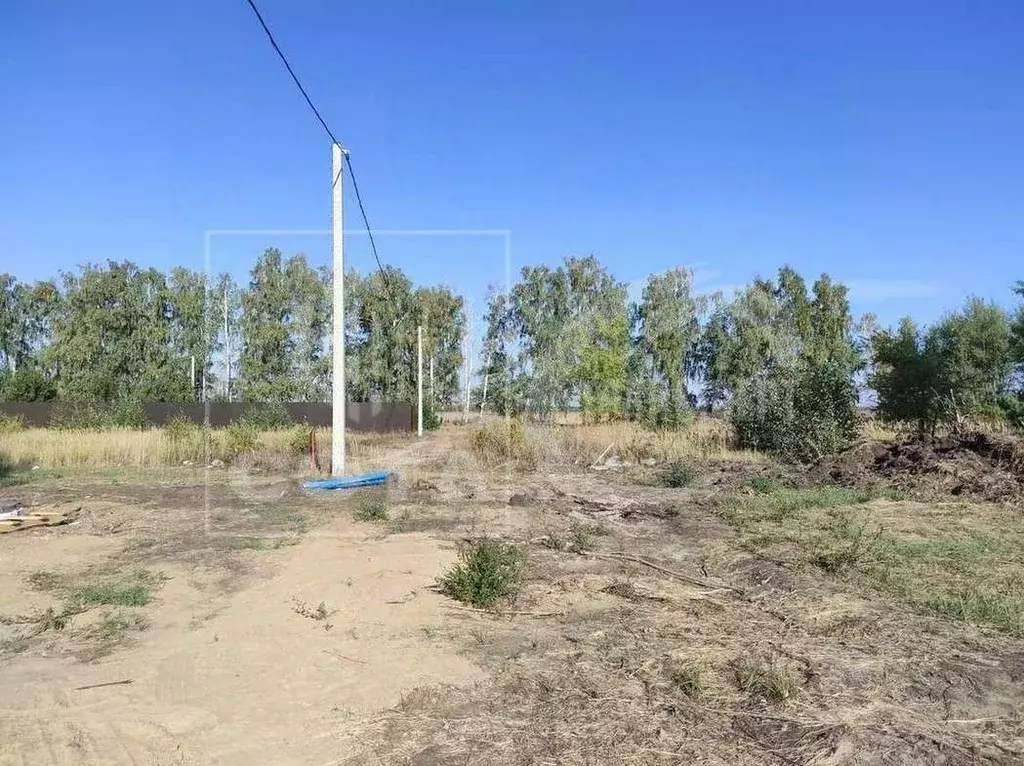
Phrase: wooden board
(31, 519)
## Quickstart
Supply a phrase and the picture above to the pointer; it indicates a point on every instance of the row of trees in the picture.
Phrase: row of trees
(116, 333)
(790, 361)
(787, 360)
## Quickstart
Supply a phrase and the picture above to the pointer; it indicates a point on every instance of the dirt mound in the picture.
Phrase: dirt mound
(977, 464)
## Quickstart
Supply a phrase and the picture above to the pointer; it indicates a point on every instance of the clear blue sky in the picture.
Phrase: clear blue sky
(880, 141)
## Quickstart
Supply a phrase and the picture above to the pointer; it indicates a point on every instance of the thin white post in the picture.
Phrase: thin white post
(469, 356)
(192, 375)
(227, 347)
(419, 380)
(338, 329)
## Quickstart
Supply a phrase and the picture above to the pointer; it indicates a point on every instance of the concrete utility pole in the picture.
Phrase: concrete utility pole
(419, 380)
(227, 347)
(338, 330)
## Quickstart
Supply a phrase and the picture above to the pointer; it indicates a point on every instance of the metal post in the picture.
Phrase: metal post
(338, 329)
(419, 380)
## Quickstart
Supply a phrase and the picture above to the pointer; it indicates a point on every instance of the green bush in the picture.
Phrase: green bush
(10, 424)
(799, 413)
(371, 507)
(242, 437)
(298, 439)
(678, 475)
(78, 416)
(489, 571)
(431, 417)
(266, 416)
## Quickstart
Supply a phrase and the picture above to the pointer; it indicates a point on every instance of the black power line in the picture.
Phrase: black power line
(323, 123)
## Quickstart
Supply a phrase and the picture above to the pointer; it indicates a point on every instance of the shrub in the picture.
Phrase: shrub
(501, 442)
(242, 437)
(431, 417)
(98, 415)
(10, 424)
(488, 571)
(371, 507)
(678, 475)
(266, 416)
(798, 413)
(299, 438)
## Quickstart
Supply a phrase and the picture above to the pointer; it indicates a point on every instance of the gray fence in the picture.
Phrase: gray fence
(359, 416)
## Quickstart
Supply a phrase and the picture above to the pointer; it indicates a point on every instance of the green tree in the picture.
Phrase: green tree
(668, 331)
(908, 376)
(603, 369)
(111, 337)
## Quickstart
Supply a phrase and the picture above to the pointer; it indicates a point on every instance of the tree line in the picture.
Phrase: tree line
(788, 362)
(785, 359)
(116, 333)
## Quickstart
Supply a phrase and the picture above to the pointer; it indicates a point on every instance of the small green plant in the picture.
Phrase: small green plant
(847, 544)
(686, 678)
(134, 590)
(766, 485)
(112, 629)
(677, 475)
(299, 439)
(371, 507)
(765, 680)
(489, 571)
(242, 437)
(10, 424)
(581, 537)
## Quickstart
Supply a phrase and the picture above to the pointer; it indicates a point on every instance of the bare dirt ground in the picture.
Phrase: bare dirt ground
(257, 624)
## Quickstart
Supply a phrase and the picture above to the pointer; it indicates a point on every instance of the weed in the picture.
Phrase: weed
(686, 678)
(677, 475)
(765, 680)
(371, 507)
(10, 424)
(299, 439)
(261, 543)
(776, 502)
(489, 571)
(503, 442)
(45, 579)
(111, 630)
(581, 537)
(847, 545)
(134, 590)
(766, 485)
(242, 438)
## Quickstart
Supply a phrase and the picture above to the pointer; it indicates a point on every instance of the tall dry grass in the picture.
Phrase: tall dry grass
(491, 442)
(528, 446)
(157, 447)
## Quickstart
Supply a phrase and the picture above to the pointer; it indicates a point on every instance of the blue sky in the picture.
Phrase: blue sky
(882, 142)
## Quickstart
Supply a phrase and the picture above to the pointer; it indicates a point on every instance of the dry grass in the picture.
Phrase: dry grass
(493, 442)
(530, 446)
(152, 448)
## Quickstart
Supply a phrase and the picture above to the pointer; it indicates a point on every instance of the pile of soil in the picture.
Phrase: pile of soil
(977, 464)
